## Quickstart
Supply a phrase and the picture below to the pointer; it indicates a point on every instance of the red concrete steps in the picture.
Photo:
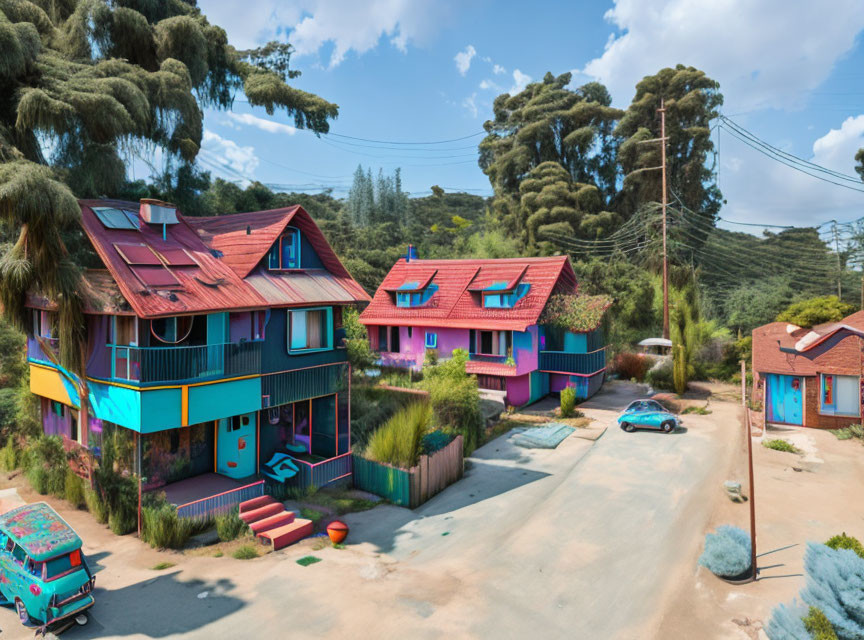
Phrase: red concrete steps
(287, 534)
(272, 522)
(255, 503)
(253, 515)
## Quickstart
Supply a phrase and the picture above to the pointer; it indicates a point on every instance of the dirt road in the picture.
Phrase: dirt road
(581, 542)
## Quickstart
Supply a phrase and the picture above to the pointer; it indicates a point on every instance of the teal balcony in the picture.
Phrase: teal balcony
(300, 384)
(152, 365)
(578, 363)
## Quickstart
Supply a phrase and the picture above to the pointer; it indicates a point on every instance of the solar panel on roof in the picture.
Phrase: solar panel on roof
(177, 257)
(116, 218)
(137, 254)
(153, 276)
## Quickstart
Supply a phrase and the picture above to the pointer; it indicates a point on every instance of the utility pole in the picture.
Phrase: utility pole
(839, 263)
(662, 112)
(752, 497)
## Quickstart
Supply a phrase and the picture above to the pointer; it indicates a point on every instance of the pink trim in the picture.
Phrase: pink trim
(315, 366)
(567, 373)
(315, 464)
(350, 372)
(340, 477)
(221, 494)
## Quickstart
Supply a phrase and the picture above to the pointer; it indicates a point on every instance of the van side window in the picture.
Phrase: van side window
(18, 554)
(10, 544)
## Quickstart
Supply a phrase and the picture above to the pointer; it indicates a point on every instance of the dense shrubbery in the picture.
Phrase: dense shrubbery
(356, 341)
(397, 442)
(632, 366)
(160, 526)
(8, 456)
(834, 593)
(229, 525)
(455, 399)
(74, 489)
(660, 377)
(370, 407)
(727, 552)
(434, 441)
(96, 506)
(568, 402)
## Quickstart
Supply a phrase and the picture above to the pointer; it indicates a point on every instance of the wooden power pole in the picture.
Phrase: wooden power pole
(662, 112)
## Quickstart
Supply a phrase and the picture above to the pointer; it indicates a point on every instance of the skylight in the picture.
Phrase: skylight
(137, 254)
(117, 218)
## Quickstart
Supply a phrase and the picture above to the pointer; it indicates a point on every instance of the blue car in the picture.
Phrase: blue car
(647, 414)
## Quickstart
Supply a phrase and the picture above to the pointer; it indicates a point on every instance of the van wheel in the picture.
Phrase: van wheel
(23, 616)
(668, 426)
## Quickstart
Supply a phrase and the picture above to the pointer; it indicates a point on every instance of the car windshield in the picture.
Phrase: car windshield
(645, 405)
(62, 564)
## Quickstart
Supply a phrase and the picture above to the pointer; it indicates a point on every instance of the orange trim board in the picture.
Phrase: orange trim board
(47, 382)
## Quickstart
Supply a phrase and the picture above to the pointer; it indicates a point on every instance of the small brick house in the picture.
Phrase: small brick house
(810, 377)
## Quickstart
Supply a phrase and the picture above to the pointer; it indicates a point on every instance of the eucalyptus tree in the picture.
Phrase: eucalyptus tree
(86, 85)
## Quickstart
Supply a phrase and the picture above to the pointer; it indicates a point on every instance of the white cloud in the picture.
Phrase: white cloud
(309, 25)
(470, 103)
(260, 123)
(764, 54)
(497, 69)
(229, 155)
(758, 188)
(520, 81)
(463, 59)
(489, 85)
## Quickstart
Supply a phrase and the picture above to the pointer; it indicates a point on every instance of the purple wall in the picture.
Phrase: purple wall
(240, 325)
(54, 425)
(519, 390)
(525, 350)
(98, 337)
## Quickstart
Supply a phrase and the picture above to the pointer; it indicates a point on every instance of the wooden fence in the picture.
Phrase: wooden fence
(411, 487)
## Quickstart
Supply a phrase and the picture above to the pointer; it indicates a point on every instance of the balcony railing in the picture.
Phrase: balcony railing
(487, 357)
(147, 365)
(323, 473)
(580, 363)
(301, 384)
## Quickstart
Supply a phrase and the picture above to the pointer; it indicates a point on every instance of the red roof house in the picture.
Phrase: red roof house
(493, 309)
(810, 377)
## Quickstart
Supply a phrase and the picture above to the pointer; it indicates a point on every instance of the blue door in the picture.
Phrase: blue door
(785, 398)
(236, 446)
(217, 336)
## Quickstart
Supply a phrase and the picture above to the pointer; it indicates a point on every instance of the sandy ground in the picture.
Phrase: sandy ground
(799, 498)
(590, 540)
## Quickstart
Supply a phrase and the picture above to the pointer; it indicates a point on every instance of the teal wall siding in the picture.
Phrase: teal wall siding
(214, 401)
(308, 258)
(160, 409)
(116, 404)
(575, 342)
(539, 385)
(274, 354)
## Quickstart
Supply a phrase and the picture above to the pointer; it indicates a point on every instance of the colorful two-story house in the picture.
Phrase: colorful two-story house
(216, 341)
(495, 309)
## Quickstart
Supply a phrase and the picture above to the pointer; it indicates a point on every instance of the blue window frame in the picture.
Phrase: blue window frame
(506, 299)
(415, 298)
(285, 252)
(431, 340)
(310, 329)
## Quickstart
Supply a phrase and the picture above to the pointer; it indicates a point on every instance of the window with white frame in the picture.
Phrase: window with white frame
(840, 395)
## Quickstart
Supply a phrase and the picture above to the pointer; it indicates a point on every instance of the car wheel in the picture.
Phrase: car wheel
(668, 426)
(629, 428)
(21, 610)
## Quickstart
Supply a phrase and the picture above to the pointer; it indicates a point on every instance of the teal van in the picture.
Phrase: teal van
(43, 572)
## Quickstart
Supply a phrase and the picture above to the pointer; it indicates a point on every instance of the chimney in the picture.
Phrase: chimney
(412, 253)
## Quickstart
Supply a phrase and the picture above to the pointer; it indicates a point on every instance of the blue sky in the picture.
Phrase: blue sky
(417, 70)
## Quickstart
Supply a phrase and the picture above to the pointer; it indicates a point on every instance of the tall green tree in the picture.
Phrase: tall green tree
(86, 85)
(691, 100)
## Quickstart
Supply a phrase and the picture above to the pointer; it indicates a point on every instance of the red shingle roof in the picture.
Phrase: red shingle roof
(458, 304)
(206, 282)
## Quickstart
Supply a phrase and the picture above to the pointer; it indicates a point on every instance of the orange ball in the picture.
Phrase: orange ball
(338, 531)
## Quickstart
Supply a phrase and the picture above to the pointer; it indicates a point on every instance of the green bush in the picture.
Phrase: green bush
(162, 529)
(660, 377)
(434, 441)
(398, 441)
(359, 352)
(372, 406)
(846, 542)
(246, 552)
(229, 526)
(818, 626)
(120, 493)
(96, 505)
(568, 401)
(311, 514)
(37, 476)
(74, 489)
(8, 456)
(122, 521)
(455, 399)
(779, 444)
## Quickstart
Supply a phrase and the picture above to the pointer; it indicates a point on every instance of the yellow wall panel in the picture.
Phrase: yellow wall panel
(48, 384)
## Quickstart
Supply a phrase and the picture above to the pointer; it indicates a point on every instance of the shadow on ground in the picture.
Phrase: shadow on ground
(157, 608)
